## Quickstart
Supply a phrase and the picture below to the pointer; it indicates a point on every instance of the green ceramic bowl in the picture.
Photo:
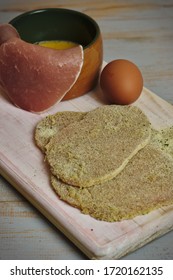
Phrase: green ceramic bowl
(69, 25)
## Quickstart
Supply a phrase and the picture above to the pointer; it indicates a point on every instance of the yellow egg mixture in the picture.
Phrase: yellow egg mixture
(58, 45)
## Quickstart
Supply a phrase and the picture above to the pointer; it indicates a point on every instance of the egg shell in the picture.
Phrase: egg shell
(121, 82)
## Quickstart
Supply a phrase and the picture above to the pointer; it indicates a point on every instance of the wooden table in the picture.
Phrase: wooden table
(141, 31)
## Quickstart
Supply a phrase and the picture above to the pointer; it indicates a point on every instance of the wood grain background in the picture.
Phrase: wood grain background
(141, 31)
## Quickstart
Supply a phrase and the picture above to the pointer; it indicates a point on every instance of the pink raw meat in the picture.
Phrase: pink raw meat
(35, 77)
(7, 31)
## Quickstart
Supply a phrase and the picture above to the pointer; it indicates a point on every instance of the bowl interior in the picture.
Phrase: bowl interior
(56, 24)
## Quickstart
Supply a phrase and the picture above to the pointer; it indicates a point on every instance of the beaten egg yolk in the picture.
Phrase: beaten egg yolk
(58, 45)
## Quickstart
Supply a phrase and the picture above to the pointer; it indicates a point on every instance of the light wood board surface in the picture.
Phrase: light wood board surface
(22, 164)
(141, 31)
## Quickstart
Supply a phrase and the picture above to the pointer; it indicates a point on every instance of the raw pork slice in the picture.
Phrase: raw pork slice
(7, 31)
(35, 77)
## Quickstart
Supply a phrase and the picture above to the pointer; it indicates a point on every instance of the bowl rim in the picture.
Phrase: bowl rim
(44, 10)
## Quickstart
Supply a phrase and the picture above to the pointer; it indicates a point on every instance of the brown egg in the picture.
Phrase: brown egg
(121, 82)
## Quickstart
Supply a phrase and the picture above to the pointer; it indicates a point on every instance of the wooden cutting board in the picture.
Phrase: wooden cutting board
(22, 164)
